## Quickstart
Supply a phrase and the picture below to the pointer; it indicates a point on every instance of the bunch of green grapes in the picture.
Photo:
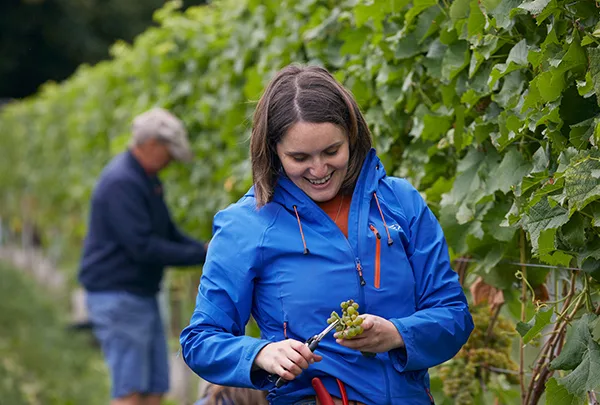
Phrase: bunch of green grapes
(350, 325)
(459, 381)
(464, 375)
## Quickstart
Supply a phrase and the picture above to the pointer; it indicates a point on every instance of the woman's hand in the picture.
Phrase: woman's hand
(379, 336)
(286, 358)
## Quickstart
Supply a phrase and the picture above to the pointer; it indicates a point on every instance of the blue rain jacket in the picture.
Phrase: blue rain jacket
(256, 266)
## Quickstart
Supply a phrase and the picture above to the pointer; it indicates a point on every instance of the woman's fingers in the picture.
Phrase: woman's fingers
(368, 322)
(284, 373)
(379, 335)
(290, 366)
(302, 355)
(287, 358)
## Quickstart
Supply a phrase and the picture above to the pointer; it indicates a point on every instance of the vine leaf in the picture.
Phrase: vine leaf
(517, 59)
(542, 217)
(556, 394)
(594, 55)
(455, 59)
(510, 172)
(502, 13)
(596, 330)
(539, 321)
(547, 250)
(582, 180)
(467, 192)
(582, 355)
(416, 9)
(534, 6)
(459, 9)
(581, 133)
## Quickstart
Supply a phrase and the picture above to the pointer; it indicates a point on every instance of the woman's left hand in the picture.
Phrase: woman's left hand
(379, 336)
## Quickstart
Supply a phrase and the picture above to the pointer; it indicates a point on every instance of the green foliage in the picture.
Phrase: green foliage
(40, 361)
(581, 354)
(489, 107)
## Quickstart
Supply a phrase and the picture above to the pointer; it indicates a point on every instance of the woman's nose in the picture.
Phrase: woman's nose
(318, 169)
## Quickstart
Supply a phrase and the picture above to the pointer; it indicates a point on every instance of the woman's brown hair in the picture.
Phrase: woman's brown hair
(303, 94)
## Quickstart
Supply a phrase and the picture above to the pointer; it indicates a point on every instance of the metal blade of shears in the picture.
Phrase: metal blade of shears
(328, 329)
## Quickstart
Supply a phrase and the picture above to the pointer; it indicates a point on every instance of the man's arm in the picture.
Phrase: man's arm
(130, 222)
(178, 236)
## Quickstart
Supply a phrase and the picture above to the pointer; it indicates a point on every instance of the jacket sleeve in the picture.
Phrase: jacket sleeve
(442, 322)
(131, 224)
(214, 345)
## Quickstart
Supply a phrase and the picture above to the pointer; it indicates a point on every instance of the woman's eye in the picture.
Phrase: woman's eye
(299, 158)
(331, 152)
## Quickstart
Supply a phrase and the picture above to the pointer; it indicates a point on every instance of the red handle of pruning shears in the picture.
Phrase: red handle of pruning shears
(343, 392)
(322, 394)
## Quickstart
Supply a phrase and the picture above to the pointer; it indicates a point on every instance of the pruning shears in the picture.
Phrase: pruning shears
(312, 344)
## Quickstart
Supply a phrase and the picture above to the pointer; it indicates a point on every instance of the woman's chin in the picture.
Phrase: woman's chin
(322, 195)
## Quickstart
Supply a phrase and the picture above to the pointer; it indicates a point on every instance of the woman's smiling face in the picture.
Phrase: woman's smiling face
(315, 157)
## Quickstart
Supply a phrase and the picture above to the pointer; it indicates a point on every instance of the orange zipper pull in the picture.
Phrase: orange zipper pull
(375, 231)
(359, 269)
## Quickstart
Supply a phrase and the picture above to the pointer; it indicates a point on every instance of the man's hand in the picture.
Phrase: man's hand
(379, 336)
(286, 358)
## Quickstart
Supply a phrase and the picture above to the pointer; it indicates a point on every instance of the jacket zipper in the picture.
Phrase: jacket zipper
(377, 256)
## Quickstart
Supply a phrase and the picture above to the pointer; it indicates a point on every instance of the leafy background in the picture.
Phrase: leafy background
(489, 107)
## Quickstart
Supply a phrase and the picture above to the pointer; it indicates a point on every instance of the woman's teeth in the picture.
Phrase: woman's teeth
(321, 181)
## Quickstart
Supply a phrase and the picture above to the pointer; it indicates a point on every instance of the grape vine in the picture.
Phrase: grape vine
(486, 352)
(488, 107)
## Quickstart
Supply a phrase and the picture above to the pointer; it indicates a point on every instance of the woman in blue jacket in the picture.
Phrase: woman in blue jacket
(323, 224)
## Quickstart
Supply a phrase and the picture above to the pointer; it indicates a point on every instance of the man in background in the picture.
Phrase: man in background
(131, 239)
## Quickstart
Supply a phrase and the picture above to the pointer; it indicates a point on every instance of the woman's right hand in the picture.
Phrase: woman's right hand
(286, 358)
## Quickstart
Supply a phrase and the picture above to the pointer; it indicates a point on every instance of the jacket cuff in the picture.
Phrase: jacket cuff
(401, 357)
(258, 379)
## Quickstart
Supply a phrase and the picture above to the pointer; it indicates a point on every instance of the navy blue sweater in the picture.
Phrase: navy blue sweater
(131, 237)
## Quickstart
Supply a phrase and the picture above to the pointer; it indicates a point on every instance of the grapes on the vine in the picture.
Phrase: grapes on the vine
(486, 351)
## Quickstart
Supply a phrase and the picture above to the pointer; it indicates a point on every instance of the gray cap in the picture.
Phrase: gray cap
(160, 124)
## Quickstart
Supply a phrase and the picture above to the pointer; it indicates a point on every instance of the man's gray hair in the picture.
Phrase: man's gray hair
(160, 124)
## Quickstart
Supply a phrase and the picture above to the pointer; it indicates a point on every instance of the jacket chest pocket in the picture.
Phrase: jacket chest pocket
(391, 277)
(389, 247)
